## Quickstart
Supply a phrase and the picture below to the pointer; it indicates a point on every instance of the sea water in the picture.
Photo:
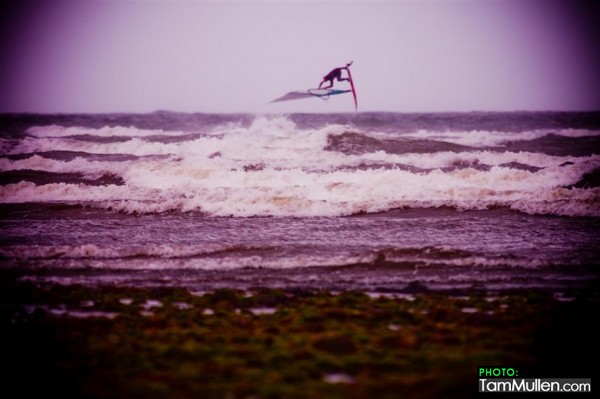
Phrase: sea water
(370, 201)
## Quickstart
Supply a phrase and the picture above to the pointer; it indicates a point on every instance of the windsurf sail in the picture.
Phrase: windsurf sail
(293, 95)
(323, 94)
(320, 93)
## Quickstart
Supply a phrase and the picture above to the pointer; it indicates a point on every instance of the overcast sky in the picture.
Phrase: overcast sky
(235, 56)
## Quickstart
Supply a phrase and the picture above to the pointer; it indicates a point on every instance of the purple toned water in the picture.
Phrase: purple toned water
(370, 201)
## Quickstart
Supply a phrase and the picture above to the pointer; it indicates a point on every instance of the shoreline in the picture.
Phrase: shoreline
(379, 275)
(123, 341)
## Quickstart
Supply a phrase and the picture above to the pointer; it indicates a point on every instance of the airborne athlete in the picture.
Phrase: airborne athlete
(326, 92)
(335, 73)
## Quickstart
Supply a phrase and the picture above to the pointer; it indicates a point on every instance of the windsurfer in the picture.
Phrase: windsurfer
(335, 73)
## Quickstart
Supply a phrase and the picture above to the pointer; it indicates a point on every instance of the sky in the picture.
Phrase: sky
(96, 56)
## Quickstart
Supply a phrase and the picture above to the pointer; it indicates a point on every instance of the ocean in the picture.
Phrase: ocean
(377, 202)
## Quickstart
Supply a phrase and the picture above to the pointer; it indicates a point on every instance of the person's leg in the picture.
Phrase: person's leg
(330, 84)
(340, 79)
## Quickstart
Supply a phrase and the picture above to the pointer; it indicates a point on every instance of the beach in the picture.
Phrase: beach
(119, 342)
(304, 255)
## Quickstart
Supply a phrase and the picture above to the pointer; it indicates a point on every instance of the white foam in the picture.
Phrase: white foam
(106, 131)
(91, 251)
(90, 169)
(273, 168)
(293, 192)
(483, 138)
(24, 191)
(223, 257)
(445, 159)
(134, 146)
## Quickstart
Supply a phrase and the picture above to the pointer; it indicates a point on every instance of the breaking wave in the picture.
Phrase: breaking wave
(274, 168)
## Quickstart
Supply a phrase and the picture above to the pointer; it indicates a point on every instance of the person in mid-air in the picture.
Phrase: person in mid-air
(335, 74)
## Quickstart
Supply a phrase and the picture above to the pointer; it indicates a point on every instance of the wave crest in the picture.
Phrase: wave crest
(272, 167)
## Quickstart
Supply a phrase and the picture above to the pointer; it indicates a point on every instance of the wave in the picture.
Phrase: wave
(54, 131)
(270, 192)
(292, 159)
(89, 168)
(91, 251)
(273, 168)
(223, 256)
(280, 145)
(264, 125)
(485, 138)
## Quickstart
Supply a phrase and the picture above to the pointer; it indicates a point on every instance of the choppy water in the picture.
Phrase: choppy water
(367, 200)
